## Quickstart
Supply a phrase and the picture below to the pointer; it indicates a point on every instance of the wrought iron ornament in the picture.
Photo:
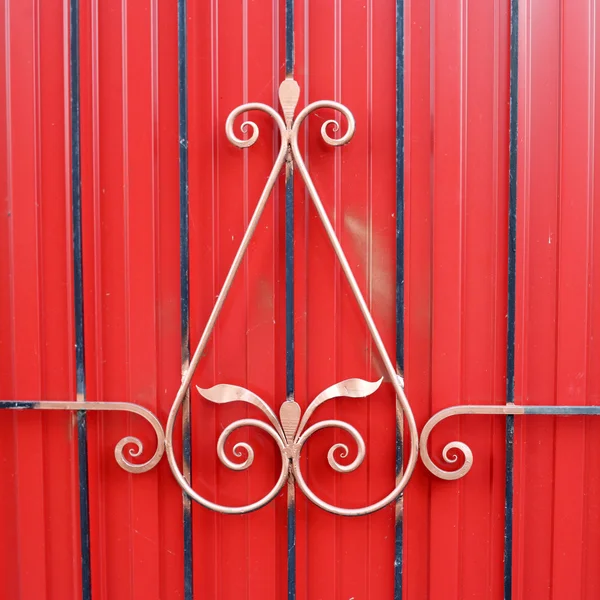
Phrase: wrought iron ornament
(291, 430)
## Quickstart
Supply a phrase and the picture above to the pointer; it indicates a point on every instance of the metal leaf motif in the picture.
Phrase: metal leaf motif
(223, 393)
(350, 388)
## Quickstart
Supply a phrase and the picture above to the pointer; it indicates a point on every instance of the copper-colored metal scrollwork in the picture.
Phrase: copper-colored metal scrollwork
(402, 404)
(187, 378)
(133, 445)
(289, 431)
(451, 450)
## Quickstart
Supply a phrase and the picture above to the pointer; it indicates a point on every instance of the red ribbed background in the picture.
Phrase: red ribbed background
(456, 126)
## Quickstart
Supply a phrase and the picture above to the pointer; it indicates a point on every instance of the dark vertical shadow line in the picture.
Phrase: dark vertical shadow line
(289, 38)
(289, 283)
(512, 265)
(84, 502)
(291, 533)
(399, 522)
(289, 309)
(184, 283)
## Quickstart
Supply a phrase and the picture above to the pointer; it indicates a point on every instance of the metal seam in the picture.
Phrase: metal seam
(511, 308)
(182, 89)
(399, 507)
(84, 505)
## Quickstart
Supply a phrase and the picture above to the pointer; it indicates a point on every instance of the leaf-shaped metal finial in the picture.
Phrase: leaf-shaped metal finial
(289, 414)
(289, 94)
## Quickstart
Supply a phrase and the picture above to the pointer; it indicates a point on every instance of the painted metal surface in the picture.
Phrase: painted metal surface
(130, 187)
(105, 203)
(557, 481)
(39, 545)
(456, 165)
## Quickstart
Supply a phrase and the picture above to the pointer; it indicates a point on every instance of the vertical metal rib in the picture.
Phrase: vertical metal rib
(291, 531)
(84, 504)
(289, 283)
(289, 308)
(289, 220)
(289, 38)
(399, 529)
(184, 282)
(512, 258)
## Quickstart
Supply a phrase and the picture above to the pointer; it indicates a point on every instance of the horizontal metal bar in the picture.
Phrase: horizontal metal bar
(562, 410)
(18, 404)
(133, 444)
(451, 450)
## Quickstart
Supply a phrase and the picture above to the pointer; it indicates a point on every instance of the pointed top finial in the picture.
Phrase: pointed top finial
(289, 94)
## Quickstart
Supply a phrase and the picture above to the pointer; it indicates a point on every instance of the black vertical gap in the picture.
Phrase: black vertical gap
(289, 38)
(512, 264)
(184, 282)
(84, 502)
(291, 532)
(399, 524)
(289, 308)
(289, 284)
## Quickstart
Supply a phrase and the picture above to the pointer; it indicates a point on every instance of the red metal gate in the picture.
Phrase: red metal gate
(465, 205)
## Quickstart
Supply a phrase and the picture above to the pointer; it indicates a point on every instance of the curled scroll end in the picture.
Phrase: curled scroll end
(246, 127)
(238, 452)
(289, 94)
(335, 126)
(133, 447)
(451, 455)
(253, 136)
(336, 466)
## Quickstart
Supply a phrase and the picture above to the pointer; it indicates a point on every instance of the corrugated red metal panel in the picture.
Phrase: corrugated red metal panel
(457, 111)
(131, 266)
(346, 51)
(38, 510)
(456, 268)
(234, 56)
(557, 477)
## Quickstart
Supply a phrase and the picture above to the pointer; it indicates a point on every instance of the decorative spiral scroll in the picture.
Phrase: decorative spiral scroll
(133, 445)
(307, 110)
(136, 442)
(360, 445)
(187, 378)
(403, 409)
(243, 445)
(240, 143)
(290, 430)
(289, 433)
(452, 450)
(222, 394)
